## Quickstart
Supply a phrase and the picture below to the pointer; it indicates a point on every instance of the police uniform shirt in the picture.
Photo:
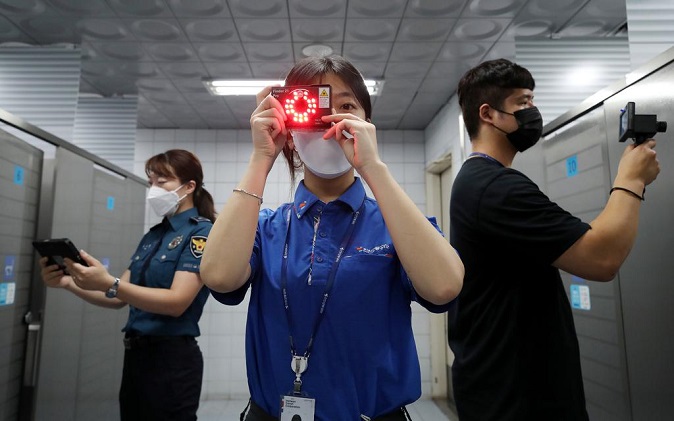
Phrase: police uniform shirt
(364, 359)
(175, 244)
(511, 328)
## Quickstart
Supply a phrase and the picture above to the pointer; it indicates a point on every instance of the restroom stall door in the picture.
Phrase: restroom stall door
(82, 354)
(578, 179)
(20, 173)
(646, 277)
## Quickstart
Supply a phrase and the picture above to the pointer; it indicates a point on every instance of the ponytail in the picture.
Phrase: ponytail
(203, 201)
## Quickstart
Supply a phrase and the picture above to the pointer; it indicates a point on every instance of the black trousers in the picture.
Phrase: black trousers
(161, 379)
(257, 414)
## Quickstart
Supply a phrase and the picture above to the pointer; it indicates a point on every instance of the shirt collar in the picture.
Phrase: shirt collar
(352, 197)
(179, 220)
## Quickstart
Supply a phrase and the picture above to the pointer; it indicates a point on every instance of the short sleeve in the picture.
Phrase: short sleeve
(518, 215)
(190, 258)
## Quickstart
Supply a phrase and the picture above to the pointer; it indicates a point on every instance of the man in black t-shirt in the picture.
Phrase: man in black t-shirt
(511, 328)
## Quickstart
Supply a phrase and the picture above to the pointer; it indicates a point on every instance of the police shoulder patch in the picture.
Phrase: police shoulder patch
(200, 219)
(197, 244)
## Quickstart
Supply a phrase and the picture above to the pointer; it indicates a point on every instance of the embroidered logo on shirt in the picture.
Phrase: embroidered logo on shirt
(197, 244)
(379, 250)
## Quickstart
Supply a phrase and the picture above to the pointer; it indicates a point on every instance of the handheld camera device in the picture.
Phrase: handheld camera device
(304, 105)
(639, 126)
(56, 249)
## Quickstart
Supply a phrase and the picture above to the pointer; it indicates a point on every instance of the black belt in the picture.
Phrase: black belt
(135, 342)
(256, 413)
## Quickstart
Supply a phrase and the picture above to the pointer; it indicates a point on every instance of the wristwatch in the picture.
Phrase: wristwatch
(112, 291)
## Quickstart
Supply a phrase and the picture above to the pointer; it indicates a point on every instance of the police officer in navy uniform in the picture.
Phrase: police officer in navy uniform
(163, 365)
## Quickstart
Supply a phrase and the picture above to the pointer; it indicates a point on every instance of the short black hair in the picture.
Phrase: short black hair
(490, 82)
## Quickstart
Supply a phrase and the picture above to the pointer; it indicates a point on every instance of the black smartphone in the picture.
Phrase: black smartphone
(56, 249)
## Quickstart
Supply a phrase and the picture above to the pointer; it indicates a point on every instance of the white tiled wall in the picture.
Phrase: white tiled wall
(224, 155)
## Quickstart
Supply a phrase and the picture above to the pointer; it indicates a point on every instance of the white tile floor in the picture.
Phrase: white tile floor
(422, 410)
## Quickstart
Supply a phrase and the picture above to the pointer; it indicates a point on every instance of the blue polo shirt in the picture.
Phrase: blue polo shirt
(364, 359)
(175, 244)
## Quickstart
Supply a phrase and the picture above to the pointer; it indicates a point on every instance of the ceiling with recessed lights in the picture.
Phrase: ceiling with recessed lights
(161, 50)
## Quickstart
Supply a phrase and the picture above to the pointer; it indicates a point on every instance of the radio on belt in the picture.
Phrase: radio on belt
(304, 105)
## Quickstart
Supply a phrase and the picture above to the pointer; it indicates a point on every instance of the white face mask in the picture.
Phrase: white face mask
(163, 202)
(323, 157)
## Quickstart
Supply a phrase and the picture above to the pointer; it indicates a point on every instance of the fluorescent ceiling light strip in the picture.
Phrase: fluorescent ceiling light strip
(252, 87)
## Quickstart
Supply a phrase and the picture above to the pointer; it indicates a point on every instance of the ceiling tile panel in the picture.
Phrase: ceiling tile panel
(413, 51)
(194, 86)
(481, 29)
(269, 52)
(210, 30)
(141, 8)
(376, 8)
(263, 30)
(370, 69)
(442, 69)
(407, 70)
(318, 30)
(531, 28)
(272, 70)
(193, 70)
(97, 8)
(95, 29)
(467, 50)
(200, 8)
(425, 30)
(111, 51)
(9, 32)
(50, 29)
(259, 8)
(371, 30)
(221, 52)
(171, 52)
(148, 85)
(500, 8)
(156, 30)
(228, 70)
(25, 8)
(434, 8)
(371, 51)
(319, 9)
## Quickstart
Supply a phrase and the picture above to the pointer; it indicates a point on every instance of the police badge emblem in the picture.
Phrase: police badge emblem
(197, 244)
(175, 242)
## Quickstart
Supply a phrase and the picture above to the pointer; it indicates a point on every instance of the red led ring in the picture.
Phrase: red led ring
(300, 106)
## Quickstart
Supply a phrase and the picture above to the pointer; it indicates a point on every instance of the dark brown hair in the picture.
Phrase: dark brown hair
(306, 71)
(490, 83)
(184, 166)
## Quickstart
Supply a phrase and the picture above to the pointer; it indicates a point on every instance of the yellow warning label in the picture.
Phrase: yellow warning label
(324, 93)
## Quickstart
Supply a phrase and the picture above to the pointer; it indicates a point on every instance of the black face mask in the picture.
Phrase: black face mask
(529, 128)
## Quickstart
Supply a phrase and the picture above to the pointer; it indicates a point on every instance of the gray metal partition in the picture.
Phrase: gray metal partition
(81, 358)
(625, 327)
(20, 174)
(647, 277)
(578, 179)
(64, 355)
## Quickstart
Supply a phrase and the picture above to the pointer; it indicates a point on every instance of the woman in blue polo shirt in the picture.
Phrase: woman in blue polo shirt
(333, 273)
(163, 365)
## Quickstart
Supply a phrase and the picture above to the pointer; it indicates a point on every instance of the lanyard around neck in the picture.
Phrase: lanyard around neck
(328, 287)
(484, 155)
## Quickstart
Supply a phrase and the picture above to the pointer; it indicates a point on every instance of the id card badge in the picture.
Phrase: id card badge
(297, 408)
